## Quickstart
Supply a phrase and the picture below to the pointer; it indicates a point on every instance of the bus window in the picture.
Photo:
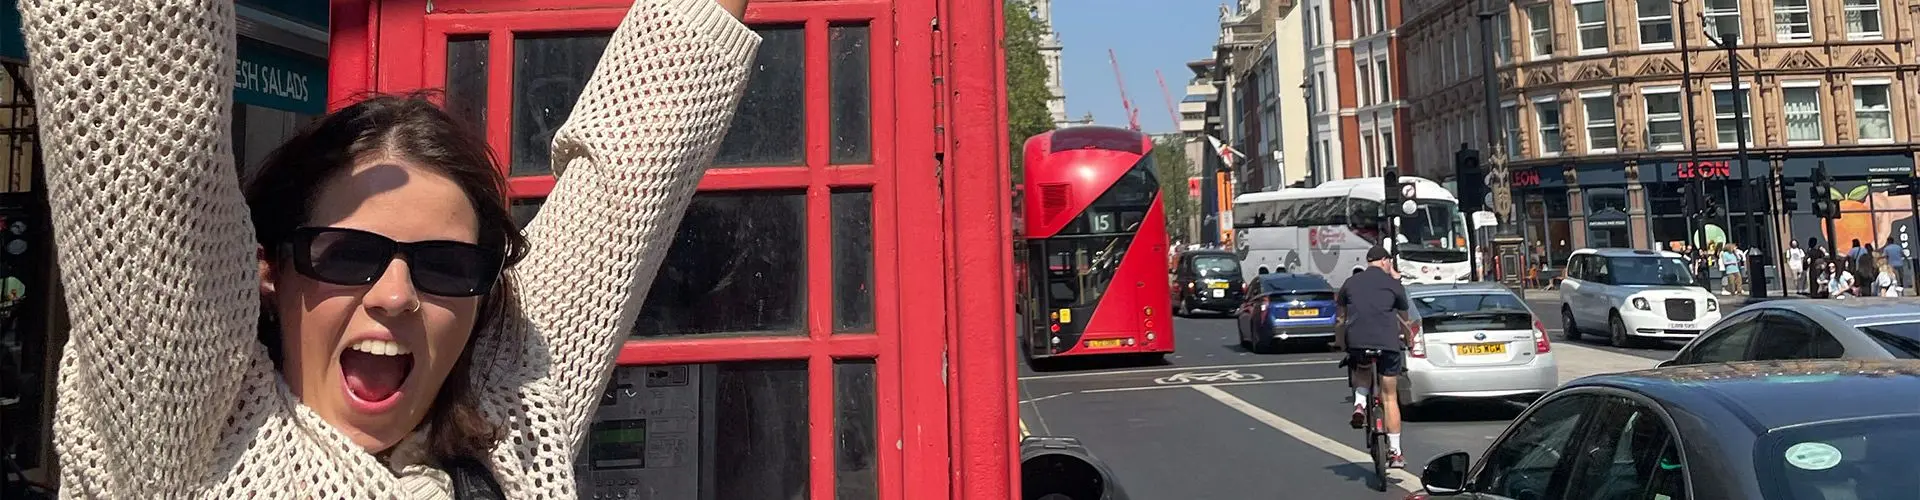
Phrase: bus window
(1363, 213)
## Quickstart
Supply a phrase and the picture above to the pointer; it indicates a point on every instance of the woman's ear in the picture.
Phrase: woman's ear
(266, 272)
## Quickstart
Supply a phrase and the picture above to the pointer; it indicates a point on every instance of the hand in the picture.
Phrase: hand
(736, 7)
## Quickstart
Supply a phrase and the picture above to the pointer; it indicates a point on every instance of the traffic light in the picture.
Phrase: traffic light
(1391, 196)
(1689, 200)
(1469, 182)
(1822, 193)
(1788, 203)
(1712, 210)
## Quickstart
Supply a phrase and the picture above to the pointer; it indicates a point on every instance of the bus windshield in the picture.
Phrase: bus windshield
(1433, 227)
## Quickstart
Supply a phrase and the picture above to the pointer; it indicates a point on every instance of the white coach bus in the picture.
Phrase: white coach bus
(1327, 230)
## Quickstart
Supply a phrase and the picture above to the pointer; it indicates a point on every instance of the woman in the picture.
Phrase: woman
(1883, 280)
(350, 329)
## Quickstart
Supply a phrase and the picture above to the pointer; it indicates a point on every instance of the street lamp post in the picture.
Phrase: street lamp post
(1693, 147)
(1510, 260)
(1763, 222)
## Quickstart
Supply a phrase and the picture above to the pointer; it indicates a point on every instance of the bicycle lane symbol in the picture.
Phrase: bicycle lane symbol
(1207, 377)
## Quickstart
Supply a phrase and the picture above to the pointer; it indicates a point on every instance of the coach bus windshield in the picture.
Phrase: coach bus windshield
(1433, 230)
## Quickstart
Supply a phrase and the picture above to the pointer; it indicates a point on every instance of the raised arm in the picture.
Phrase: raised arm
(628, 158)
(155, 248)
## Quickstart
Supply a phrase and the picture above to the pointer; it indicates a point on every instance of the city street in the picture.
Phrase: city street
(1219, 422)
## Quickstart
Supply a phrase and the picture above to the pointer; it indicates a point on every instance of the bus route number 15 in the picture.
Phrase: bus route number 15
(1102, 223)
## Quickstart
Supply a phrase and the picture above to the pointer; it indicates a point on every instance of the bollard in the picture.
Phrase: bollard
(1060, 468)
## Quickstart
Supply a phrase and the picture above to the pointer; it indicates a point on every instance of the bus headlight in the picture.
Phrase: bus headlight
(1641, 304)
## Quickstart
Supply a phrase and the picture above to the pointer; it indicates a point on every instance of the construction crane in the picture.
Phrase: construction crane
(1133, 114)
(1172, 112)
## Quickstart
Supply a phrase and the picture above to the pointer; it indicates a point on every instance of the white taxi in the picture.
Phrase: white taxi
(1633, 296)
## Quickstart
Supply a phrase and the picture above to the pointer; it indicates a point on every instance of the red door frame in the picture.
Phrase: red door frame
(946, 167)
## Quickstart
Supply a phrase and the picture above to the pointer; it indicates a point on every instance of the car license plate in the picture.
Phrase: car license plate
(1217, 284)
(1103, 344)
(1680, 326)
(1302, 312)
(1480, 349)
(1219, 293)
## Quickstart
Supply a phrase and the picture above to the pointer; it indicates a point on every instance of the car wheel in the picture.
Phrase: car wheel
(1568, 329)
(1618, 329)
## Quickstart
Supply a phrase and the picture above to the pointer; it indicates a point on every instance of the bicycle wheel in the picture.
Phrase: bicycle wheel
(1377, 446)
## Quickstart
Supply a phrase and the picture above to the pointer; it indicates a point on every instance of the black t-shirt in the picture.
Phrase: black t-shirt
(1374, 303)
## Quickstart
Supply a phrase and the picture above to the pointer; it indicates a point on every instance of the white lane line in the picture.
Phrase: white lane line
(1178, 369)
(1251, 382)
(1406, 481)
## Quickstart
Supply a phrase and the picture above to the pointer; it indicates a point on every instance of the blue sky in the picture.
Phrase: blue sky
(1146, 35)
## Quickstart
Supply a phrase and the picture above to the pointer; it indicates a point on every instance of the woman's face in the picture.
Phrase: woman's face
(370, 359)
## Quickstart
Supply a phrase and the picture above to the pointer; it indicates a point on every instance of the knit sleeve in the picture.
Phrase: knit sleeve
(629, 158)
(156, 251)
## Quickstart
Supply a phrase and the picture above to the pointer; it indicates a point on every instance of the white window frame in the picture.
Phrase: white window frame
(1387, 156)
(1640, 25)
(1581, 26)
(1503, 53)
(1357, 19)
(1366, 90)
(1536, 33)
(1747, 109)
(1510, 116)
(1540, 125)
(1383, 74)
(1779, 23)
(1589, 124)
(1710, 14)
(1887, 85)
(1367, 145)
(1879, 15)
(1787, 113)
(1677, 116)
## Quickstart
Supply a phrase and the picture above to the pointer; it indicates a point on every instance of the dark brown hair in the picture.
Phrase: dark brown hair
(281, 194)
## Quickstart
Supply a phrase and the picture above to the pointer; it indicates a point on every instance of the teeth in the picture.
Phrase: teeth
(380, 347)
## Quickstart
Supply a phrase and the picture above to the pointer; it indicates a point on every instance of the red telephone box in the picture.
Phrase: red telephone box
(834, 317)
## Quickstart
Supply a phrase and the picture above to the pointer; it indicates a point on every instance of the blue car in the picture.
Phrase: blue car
(1286, 308)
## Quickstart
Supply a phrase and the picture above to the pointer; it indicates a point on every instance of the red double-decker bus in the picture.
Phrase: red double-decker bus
(1090, 247)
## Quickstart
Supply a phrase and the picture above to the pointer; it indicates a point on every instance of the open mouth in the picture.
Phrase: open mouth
(374, 371)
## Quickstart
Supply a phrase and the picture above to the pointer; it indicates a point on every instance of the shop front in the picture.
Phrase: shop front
(1870, 213)
(1606, 205)
(1541, 197)
(1670, 227)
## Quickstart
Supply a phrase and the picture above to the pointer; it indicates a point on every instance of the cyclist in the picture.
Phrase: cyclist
(1372, 309)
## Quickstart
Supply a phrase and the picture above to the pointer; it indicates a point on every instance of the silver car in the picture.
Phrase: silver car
(1862, 328)
(1476, 340)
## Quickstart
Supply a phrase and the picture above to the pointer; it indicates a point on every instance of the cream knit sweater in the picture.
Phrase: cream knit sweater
(164, 391)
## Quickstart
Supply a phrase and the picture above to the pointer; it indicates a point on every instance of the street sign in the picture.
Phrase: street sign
(1484, 218)
(1406, 191)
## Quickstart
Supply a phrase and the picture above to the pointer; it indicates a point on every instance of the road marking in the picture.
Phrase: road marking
(1406, 481)
(1023, 429)
(1214, 376)
(1152, 387)
(1179, 369)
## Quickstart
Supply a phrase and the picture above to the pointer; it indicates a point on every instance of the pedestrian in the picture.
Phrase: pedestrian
(1816, 254)
(1896, 258)
(1730, 267)
(365, 319)
(1795, 258)
(1885, 282)
(1866, 265)
(1840, 285)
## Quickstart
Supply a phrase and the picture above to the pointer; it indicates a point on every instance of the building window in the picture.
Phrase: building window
(1368, 153)
(1503, 53)
(1546, 113)
(1511, 123)
(1601, 134)
(1724, 100)
(1320, 89)
(1379, 15)
(1663, 117)
(1313, 28)
(1863, 19)
(1801, 100)
(1791, 21)
(1540, 29)
(1386, 149)
(1365, 83)
(1656, 23)
(1385, 79)
(1590, 19)
(1723, 17)
(1873, 110)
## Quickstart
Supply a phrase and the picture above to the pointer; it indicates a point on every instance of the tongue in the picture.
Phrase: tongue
(372, 377)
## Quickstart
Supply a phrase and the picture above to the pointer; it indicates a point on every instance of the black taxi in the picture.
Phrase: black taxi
(1207, 280)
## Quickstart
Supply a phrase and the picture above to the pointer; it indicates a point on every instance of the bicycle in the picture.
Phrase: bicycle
(1376, 423)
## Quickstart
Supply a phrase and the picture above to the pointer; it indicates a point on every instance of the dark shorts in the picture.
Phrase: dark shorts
(1392, 363)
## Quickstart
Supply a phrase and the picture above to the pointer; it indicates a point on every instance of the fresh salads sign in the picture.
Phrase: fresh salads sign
(270, 77)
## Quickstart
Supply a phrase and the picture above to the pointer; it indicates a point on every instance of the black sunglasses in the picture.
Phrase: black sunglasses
(352, 257)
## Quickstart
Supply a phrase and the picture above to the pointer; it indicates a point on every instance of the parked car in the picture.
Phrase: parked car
(1762, 430)
(1207, 280)
(1475, 340)
(1633, 295)
(1864, 328)
(1287, 308)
